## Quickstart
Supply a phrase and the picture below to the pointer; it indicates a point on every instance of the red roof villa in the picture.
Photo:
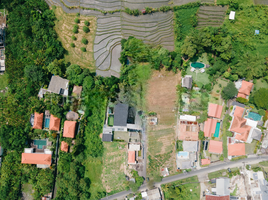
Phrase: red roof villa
(214, 110)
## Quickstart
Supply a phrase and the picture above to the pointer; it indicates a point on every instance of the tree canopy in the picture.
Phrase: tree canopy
(260, 98)
(229, 91)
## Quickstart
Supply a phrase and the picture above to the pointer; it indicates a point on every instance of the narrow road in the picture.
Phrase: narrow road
(211, 168)
(144, 145)
(56, 164)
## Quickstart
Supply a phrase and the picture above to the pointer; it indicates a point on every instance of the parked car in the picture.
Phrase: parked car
(229, 170)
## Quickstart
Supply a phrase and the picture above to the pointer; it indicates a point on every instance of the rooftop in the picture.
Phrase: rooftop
(36, 158)
(188, 118)
(222, 186)
(245, 89)
(214, 110)
(64, 146)
(205, 161)
(54, 123)
(190, 146)
(107, 137)
(131, 157)
(239, 126)
(120, 114)
(69, 129)
(215, 147)
(239, 111)
(58, 85)
(238, 149)
(256, 134)
(38, 120)
(188, 131)
(77, 90)
(215, 197)
(134, 147)
(210, 126)
(187, 81)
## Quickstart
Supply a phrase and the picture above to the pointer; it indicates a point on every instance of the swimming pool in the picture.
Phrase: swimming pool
(197, 65)
(40, 143)
(254, 116)
(47, 120)
(217, 130)
(183, 154)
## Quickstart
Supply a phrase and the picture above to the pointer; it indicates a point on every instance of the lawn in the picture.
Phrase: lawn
(198, 77)
(217, 174)
(64, 25)
(260, 84)
(215, 96)
(191, 188)
(225, 127)
(114, 166)
(250, 147)
(27, 191)
(264, 163)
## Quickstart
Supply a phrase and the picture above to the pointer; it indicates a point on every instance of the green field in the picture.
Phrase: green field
(190, 188)
(198, 77)
(250, 147)
(241, 2)
(261, 83)
(215, 96)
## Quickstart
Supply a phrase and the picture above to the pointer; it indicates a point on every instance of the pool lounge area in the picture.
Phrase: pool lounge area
(197, 65)
(217, 130)
(40, 144)
(253, 116)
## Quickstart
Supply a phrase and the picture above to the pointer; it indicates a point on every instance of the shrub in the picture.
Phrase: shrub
(76, 26)
(229, 91)
(77, 14)
(241, 100)
(73, 37)
(220, 85)
(72, 45)
(262, 112)
(75, 30)
(84, 41)
(218, 91)
(86, 23)
(260, 98)
(76, 20)
(86, 29)
(83, 49)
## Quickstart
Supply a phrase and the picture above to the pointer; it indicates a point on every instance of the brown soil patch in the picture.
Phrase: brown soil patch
(64, 27)
(166, 141)
(162, 95)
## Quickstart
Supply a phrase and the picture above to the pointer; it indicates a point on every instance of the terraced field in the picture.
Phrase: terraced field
(211, 16)
(264, 2)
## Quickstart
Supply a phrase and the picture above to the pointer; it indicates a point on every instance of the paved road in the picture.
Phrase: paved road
(211, 168)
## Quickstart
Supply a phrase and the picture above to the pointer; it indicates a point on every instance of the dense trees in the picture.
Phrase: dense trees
(260, 98)
(229, 91)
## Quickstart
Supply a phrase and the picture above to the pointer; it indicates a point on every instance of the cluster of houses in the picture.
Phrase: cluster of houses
(40, 153)
(243, 126)
(123, 123)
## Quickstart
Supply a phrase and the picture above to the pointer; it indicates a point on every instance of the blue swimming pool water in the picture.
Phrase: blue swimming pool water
(253, 116)
(217, 130)
(47, 120)
(40, 143)
(183, 154)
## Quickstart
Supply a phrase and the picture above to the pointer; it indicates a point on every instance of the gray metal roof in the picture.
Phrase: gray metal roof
(187, 81)
(153, 194)
(238, 104)
(256, 134)
(120, 114)
(222, 186)
(190, 146)
(57, 83)
(107, 137)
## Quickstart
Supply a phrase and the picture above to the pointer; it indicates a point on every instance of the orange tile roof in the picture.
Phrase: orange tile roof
(54, 123)
(241, 95)
(205, 161)
(215, 147)
(238, 149)
(210, 126)
(245, 88)
(36, 158)
(131, 157)
(64, 146)
(239, 111)
(239, 126)
(38, 120)
(69, 129)
(212, 197)
(188, 135)
(214, 110)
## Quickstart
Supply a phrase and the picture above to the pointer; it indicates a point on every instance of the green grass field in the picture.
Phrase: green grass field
(198, 77)
(190, 183)
(215, 96)
(250, 147)
(261, 84)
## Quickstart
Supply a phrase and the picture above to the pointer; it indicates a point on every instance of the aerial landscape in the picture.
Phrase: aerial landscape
(134, 100)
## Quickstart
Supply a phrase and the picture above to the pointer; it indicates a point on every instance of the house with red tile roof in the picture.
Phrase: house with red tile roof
(64, 146)
(245, 89)
(238, 111)
(215, 147)
(239, 126)
(209, 127)
(36, 158)
(69, 129)
(205, 161)
(54, 123)
(237, 149)
(214, 110)
(216, 197)
(38, 120)
(131, 157)
(188, 128)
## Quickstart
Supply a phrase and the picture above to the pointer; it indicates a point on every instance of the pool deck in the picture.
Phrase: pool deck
(44, 146)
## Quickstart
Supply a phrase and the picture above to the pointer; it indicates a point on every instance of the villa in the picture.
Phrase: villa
(237, 149)
(64, 146)
(42, 160)
(210, 127)
(186, 160)
(215, 147)
(38, 120)
(131, 157)
(69, 129)
(222, 191)
(214, 110)
(187, 82)
(51, 122)
(244, 88)
(188, 128)
(57, 85)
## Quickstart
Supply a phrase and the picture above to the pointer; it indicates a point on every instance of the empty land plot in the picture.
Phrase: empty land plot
(211, 16)
(114, 166)
(161, 98)
(64, 26)
(215, 96)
